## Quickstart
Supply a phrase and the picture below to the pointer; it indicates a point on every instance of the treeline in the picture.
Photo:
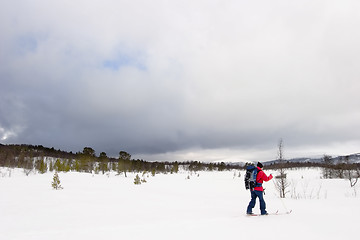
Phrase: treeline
(43, 159)
(342, 169)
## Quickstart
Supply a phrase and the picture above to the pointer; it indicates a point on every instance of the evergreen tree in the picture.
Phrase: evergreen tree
(88, 151)
(124, 156)
(137, 180)
(103, 155)
(125, 163)
(56, 182)
(76, 166)
(103, 166)
(58, 165)
(42, 166)
(175, 168)
(67, 165)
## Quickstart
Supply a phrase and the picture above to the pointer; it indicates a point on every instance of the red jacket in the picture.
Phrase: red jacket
(260, 178)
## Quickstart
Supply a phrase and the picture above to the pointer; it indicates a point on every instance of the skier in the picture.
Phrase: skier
(258, 190)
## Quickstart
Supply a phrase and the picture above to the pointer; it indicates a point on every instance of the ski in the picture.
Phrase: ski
(288, 212)
(273, 213)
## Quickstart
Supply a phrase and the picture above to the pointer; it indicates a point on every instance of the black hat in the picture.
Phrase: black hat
(260, 165)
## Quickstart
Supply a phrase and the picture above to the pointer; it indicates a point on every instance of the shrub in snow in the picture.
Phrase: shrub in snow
(143, 180)
(56, 182)
(137, 180)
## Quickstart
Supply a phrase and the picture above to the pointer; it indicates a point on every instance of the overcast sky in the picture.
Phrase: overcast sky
(182, 80)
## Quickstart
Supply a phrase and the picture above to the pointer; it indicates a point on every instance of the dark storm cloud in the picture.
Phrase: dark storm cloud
(203, 80)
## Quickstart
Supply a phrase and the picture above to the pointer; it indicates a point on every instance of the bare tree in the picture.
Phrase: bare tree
(351, 174)
(281, 182)
(327, 172)
(353, 177)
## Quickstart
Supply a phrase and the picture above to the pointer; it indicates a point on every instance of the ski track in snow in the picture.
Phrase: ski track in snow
(211, 206)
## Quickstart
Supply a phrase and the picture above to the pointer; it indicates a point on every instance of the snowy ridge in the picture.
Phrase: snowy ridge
(352, 158)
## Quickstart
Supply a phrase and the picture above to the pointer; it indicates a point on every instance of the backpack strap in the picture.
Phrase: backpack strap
(257, 184)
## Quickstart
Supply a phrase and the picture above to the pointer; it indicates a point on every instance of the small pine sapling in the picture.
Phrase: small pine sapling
(56, 182)
(143, 180)
(137, 180)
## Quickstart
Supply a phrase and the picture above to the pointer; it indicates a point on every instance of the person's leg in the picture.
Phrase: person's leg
(262, 202)
(251, 203)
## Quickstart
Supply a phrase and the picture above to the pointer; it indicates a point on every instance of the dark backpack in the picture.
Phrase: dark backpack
(250, 177)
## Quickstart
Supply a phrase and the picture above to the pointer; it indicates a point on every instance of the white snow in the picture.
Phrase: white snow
(211, 206)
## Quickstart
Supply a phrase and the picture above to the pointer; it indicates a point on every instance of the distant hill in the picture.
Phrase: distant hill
(352, 158)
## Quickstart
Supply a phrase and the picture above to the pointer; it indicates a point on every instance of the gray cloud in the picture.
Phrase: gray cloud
(175, 80)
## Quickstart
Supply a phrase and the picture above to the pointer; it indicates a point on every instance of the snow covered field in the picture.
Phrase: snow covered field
(209, 206)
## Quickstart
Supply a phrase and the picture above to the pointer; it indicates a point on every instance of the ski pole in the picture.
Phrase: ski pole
(284, 205)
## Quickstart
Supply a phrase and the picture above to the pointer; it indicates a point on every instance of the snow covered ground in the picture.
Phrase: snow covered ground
(209, 206)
